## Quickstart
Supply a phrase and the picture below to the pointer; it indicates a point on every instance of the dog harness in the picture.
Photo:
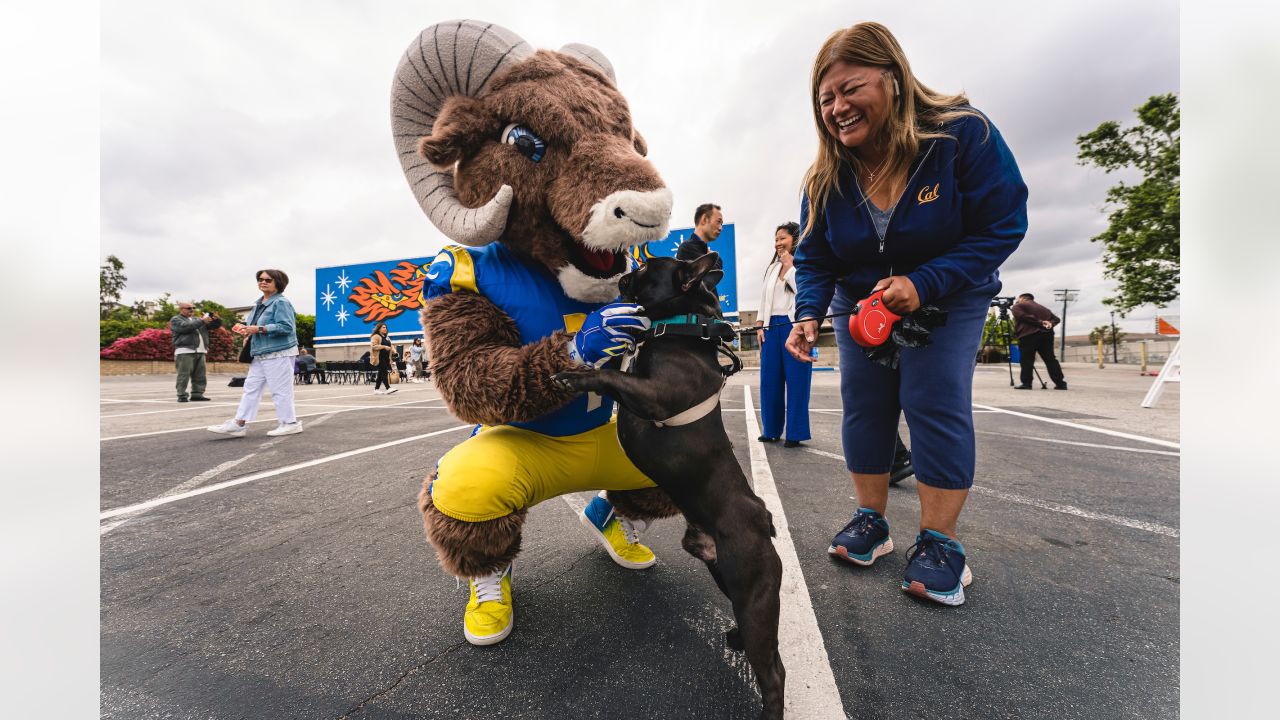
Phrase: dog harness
(691, 325)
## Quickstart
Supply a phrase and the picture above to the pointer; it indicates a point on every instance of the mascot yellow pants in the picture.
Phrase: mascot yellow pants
(504, 469)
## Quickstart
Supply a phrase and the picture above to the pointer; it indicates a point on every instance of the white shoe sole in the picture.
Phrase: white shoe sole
(957, 598)
(628, 564)
(842, 553)
(490, 639)
(286, 430)
(392, 390)
(225, 433)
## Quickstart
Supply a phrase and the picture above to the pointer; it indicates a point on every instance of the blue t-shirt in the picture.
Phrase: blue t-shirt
(533, 298)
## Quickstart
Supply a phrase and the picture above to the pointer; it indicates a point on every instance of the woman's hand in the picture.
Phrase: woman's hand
(760, 335)
(787, 259)
(804, 333)
(253, 329)
(900, 294)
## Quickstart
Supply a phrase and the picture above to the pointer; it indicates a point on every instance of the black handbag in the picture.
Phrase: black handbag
(245, 357)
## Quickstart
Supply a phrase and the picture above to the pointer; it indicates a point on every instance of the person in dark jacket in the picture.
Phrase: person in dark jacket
(708, 221)
(190, 345)
(915, 193)
(1034, 327)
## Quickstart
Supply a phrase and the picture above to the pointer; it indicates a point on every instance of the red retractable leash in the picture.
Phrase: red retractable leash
(872, 322)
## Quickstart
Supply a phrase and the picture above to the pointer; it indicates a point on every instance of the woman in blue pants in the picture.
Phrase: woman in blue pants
(915, 193)
(781, 374)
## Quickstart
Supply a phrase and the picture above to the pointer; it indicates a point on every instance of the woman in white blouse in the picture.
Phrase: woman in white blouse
(780, 374)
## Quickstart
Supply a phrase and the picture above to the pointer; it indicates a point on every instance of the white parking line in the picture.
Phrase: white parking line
(1078, 512)
(272, 419)
(164, 500)
(811, 687)
(1078, 426)
(197, 406)
(1047, 505)
(1082, 444)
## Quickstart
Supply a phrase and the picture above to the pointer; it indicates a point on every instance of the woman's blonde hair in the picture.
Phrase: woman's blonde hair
(907, 124)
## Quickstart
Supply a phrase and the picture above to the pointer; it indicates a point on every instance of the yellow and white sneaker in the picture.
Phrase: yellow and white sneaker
(490, 614)
(620, 536)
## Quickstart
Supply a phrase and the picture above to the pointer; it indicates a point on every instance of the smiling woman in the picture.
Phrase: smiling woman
(927, 203)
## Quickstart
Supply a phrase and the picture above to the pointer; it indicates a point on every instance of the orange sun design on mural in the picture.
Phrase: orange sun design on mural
(380, 298)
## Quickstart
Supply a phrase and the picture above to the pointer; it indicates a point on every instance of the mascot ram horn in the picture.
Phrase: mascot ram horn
(531, 148)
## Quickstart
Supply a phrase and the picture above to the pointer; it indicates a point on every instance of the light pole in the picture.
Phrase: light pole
(1115, 350)
(1066, 295)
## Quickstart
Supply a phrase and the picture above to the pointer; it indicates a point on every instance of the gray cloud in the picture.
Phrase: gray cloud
(245, 135)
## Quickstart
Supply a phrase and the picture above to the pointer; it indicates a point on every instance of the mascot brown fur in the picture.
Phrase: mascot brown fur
(573, 213)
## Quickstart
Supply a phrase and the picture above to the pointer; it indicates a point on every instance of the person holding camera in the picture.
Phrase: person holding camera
(190, 345)
(1034, 324)
(913, 192)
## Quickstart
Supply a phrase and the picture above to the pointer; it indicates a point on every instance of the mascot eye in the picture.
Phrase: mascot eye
(529, 145)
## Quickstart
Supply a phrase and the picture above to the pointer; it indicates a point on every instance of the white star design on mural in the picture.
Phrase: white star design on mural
(328, 297)
(342, 316)
(343, 280)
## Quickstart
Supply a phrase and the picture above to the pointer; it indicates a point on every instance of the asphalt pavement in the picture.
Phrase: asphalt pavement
(289, 577)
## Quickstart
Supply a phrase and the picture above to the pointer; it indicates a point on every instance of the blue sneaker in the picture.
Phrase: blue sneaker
(864, 539)
(936, 569)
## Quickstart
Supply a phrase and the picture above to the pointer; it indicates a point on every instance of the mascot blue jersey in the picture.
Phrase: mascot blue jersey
(533, 298)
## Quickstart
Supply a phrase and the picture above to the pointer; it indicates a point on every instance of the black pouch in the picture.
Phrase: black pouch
(245, 357)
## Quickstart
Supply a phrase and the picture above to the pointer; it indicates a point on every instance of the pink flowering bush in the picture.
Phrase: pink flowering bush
(157, 344)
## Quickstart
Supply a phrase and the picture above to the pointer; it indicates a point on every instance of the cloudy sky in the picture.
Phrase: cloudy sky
(238, 135)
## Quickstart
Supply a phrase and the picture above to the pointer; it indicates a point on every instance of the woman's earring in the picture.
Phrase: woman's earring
(896, 91)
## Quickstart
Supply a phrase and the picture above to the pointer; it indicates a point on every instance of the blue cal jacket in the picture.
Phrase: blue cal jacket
(963, 213)
(533, 298)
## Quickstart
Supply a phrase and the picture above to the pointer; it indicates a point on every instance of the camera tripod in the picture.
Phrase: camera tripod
(1004, 326)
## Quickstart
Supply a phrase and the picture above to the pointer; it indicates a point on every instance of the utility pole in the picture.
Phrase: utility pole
(1066, 295)
(1115, 350)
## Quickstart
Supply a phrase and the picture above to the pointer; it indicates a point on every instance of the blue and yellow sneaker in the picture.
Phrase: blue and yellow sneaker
(490, 614)
(620, 536)
(864, 539)
(936, 569)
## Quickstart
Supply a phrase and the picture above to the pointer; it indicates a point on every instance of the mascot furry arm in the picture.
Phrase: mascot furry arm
(533, 151)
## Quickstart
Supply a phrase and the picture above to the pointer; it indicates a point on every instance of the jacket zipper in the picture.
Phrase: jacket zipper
(895, 209)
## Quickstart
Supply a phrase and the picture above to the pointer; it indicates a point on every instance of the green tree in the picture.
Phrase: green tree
(1142, 240)
(996, 338)
(1104, 332)
(306, 325)
(111, 282)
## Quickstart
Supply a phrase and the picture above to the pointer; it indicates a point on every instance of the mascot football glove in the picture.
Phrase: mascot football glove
(607, 334)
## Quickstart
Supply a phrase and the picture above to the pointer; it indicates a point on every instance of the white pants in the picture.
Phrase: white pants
(276, 374)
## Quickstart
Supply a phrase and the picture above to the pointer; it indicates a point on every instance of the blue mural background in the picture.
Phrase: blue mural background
(351, 299)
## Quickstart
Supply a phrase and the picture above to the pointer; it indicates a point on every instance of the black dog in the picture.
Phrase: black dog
(728, 525)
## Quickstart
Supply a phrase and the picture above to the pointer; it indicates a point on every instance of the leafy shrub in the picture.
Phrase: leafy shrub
(157, 344)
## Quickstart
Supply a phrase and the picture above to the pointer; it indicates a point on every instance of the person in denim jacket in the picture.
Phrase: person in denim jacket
(271, 343)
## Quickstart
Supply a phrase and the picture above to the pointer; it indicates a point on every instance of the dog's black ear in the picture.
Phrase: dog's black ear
(693, 272)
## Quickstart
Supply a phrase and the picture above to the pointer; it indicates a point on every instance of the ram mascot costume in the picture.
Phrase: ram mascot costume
(529, 161)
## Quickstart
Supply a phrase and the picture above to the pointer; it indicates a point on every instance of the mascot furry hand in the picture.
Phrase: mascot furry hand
(527, 159)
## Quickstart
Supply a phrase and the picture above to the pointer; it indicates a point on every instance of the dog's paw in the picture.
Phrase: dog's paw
(733, 639)
(566, 380)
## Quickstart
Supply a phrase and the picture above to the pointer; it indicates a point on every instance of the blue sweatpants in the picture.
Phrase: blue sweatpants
(933, 386)
(779, 369)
